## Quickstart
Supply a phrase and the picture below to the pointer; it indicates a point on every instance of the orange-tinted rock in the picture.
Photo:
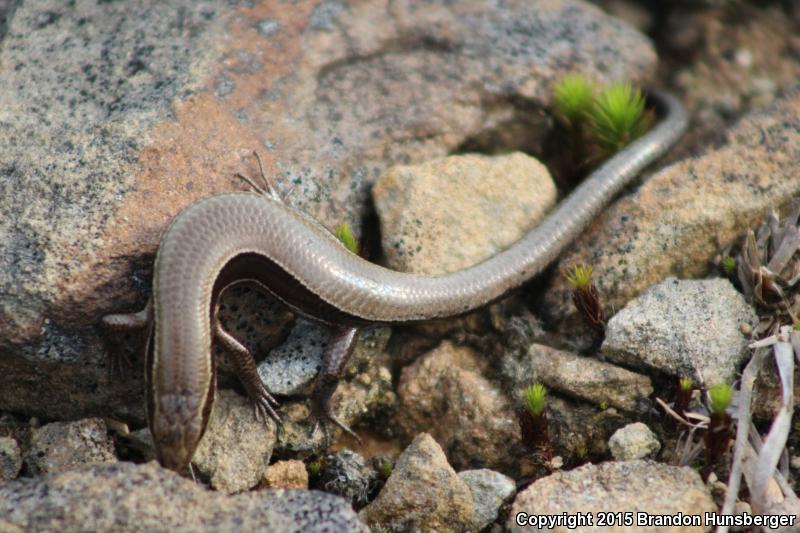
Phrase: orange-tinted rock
(116, 116)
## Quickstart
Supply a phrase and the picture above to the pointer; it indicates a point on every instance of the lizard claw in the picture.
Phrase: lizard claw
(269, 190)
(119, 364)
(325, 422)
(325, 430)
(322, 411)
(262, 406)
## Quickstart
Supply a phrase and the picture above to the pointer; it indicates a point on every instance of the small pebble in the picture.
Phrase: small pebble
(490, 491)
(347, 474)
(634, 441)
(290, 474)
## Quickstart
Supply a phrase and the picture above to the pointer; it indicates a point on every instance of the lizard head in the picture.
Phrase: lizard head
(177, 429)
(177, 416)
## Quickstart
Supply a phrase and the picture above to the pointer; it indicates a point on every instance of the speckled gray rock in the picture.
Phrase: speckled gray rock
(451, 213)
(130, 497)
(62, 446)
(587, 379)
(256, 319)
(366, 389)
(236, 448)
(680, 218)
(625, 487)
(445, 393)
(423, 493)
(490, 491)
(689, 328)
(10, 459)
(118, 114)
(290, 368)
(294, 364)
(346, 474)
(634, 441)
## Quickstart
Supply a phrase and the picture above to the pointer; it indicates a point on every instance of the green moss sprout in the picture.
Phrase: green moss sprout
(618, 117)
(581, 453)
(579, 276)
(728, 265)
(684, 395)
(720, 397)
(573, 96)
(535, 399)
(314, 468)
(385, 469)
(533, 423)
(720, 427)
(344, 233)
(587, 299)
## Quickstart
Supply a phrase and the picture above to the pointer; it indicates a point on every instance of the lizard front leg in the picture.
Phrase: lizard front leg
(246, 370)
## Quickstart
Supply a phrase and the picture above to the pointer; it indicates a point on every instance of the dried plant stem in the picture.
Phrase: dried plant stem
(743, 424)
(769, 490)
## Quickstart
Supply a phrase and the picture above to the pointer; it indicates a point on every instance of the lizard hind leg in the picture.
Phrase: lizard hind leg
(269, 190)
(334, 360)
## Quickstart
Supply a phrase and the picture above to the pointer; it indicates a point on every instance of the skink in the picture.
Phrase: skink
(245, 236)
